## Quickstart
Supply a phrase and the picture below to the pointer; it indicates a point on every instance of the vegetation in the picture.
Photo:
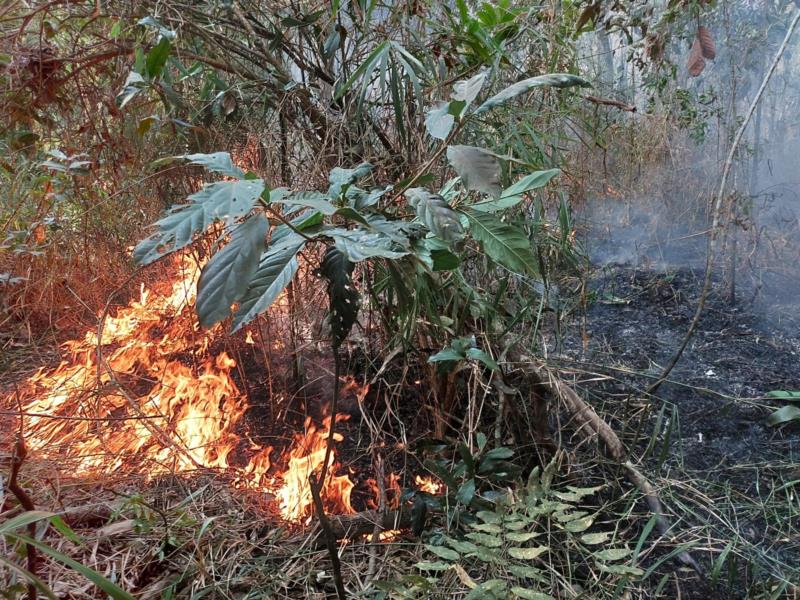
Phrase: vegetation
(382, 196)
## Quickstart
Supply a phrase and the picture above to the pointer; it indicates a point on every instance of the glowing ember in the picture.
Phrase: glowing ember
(158, 403)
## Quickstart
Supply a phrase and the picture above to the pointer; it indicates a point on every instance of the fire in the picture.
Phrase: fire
(306, 458)
(160, 402)
(428, 484)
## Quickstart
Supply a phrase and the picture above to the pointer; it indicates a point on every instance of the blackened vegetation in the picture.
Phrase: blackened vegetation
(705, 434)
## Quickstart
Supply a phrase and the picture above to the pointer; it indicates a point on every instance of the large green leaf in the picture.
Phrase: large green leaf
(225, 200)
(217, 162)
(275, 271)
(436, 213)
(157, 58)
(226, 277)
(343, 296)
(467, 90)
(513, 194)
(478, 168)
(558, 80)
(358, 244)
(439, 121)
(339, 177)
(504, 243)
(366, 68)
(313, 200)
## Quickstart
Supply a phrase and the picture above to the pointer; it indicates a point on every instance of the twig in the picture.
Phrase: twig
(17, 459)
(609, 102)
(717, 210)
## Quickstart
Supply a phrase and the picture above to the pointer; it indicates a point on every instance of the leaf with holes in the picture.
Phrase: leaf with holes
(527, 553)
(506, 244)
(225, 200)
(226, 276)
(275, 271)
(557, 80)
(358, 244)
(612, 554)
(313, 200)
(435, 212)
(343, 297)
(478, 168)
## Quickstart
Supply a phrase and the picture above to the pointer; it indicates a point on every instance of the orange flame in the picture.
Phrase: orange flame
(160, 402)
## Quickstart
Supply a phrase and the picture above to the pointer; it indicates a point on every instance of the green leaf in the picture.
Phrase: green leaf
(621, 569)
(444, 260)
(466, 492)
(432, 566)
(527, 553)
(558, 80)
(468, 89)
(592, 539)
(784, 415)
(226, 277)
(521, 537)
(579, 525)
(157, 58)
(365, 68)
(784, 395)
(40, 585)
(501, 453)
(358, 244)
(513, 195)
(217, 162)
(488, 590)
(339, 178)
(525, 571)
(446, 354)
(275, 271)
(226, 200)
(478, 169)
(344, 299)
(526, 594)
(436, 213)
(485, 539)
(439, 122)
(504, 243)
(478, 354)
(134, 84)
(26, 518)
(104, 584)
(612, 554)
(443, 552)
(313, 200)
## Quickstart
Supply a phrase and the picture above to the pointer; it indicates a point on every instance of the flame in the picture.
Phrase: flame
(428, 484)
(306, 457)
(160, 401)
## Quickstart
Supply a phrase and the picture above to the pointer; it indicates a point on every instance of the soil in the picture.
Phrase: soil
(704, 439)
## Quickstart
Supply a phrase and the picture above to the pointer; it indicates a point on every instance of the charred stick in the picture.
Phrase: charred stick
(25, 500)
(329, 535)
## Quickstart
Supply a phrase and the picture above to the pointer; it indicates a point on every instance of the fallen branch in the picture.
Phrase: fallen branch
(25, 500)
(590, 425)
(350, 526)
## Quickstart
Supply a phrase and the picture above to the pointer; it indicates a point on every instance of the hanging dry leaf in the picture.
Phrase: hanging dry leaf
(590, 13)
(707, 44)
(696, 64)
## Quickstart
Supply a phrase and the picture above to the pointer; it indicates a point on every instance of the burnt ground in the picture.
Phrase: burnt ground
(728, 479)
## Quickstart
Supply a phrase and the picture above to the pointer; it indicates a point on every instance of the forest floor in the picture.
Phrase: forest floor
(728, 479)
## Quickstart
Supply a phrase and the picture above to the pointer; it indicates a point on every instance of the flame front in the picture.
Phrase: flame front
(159, 402)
